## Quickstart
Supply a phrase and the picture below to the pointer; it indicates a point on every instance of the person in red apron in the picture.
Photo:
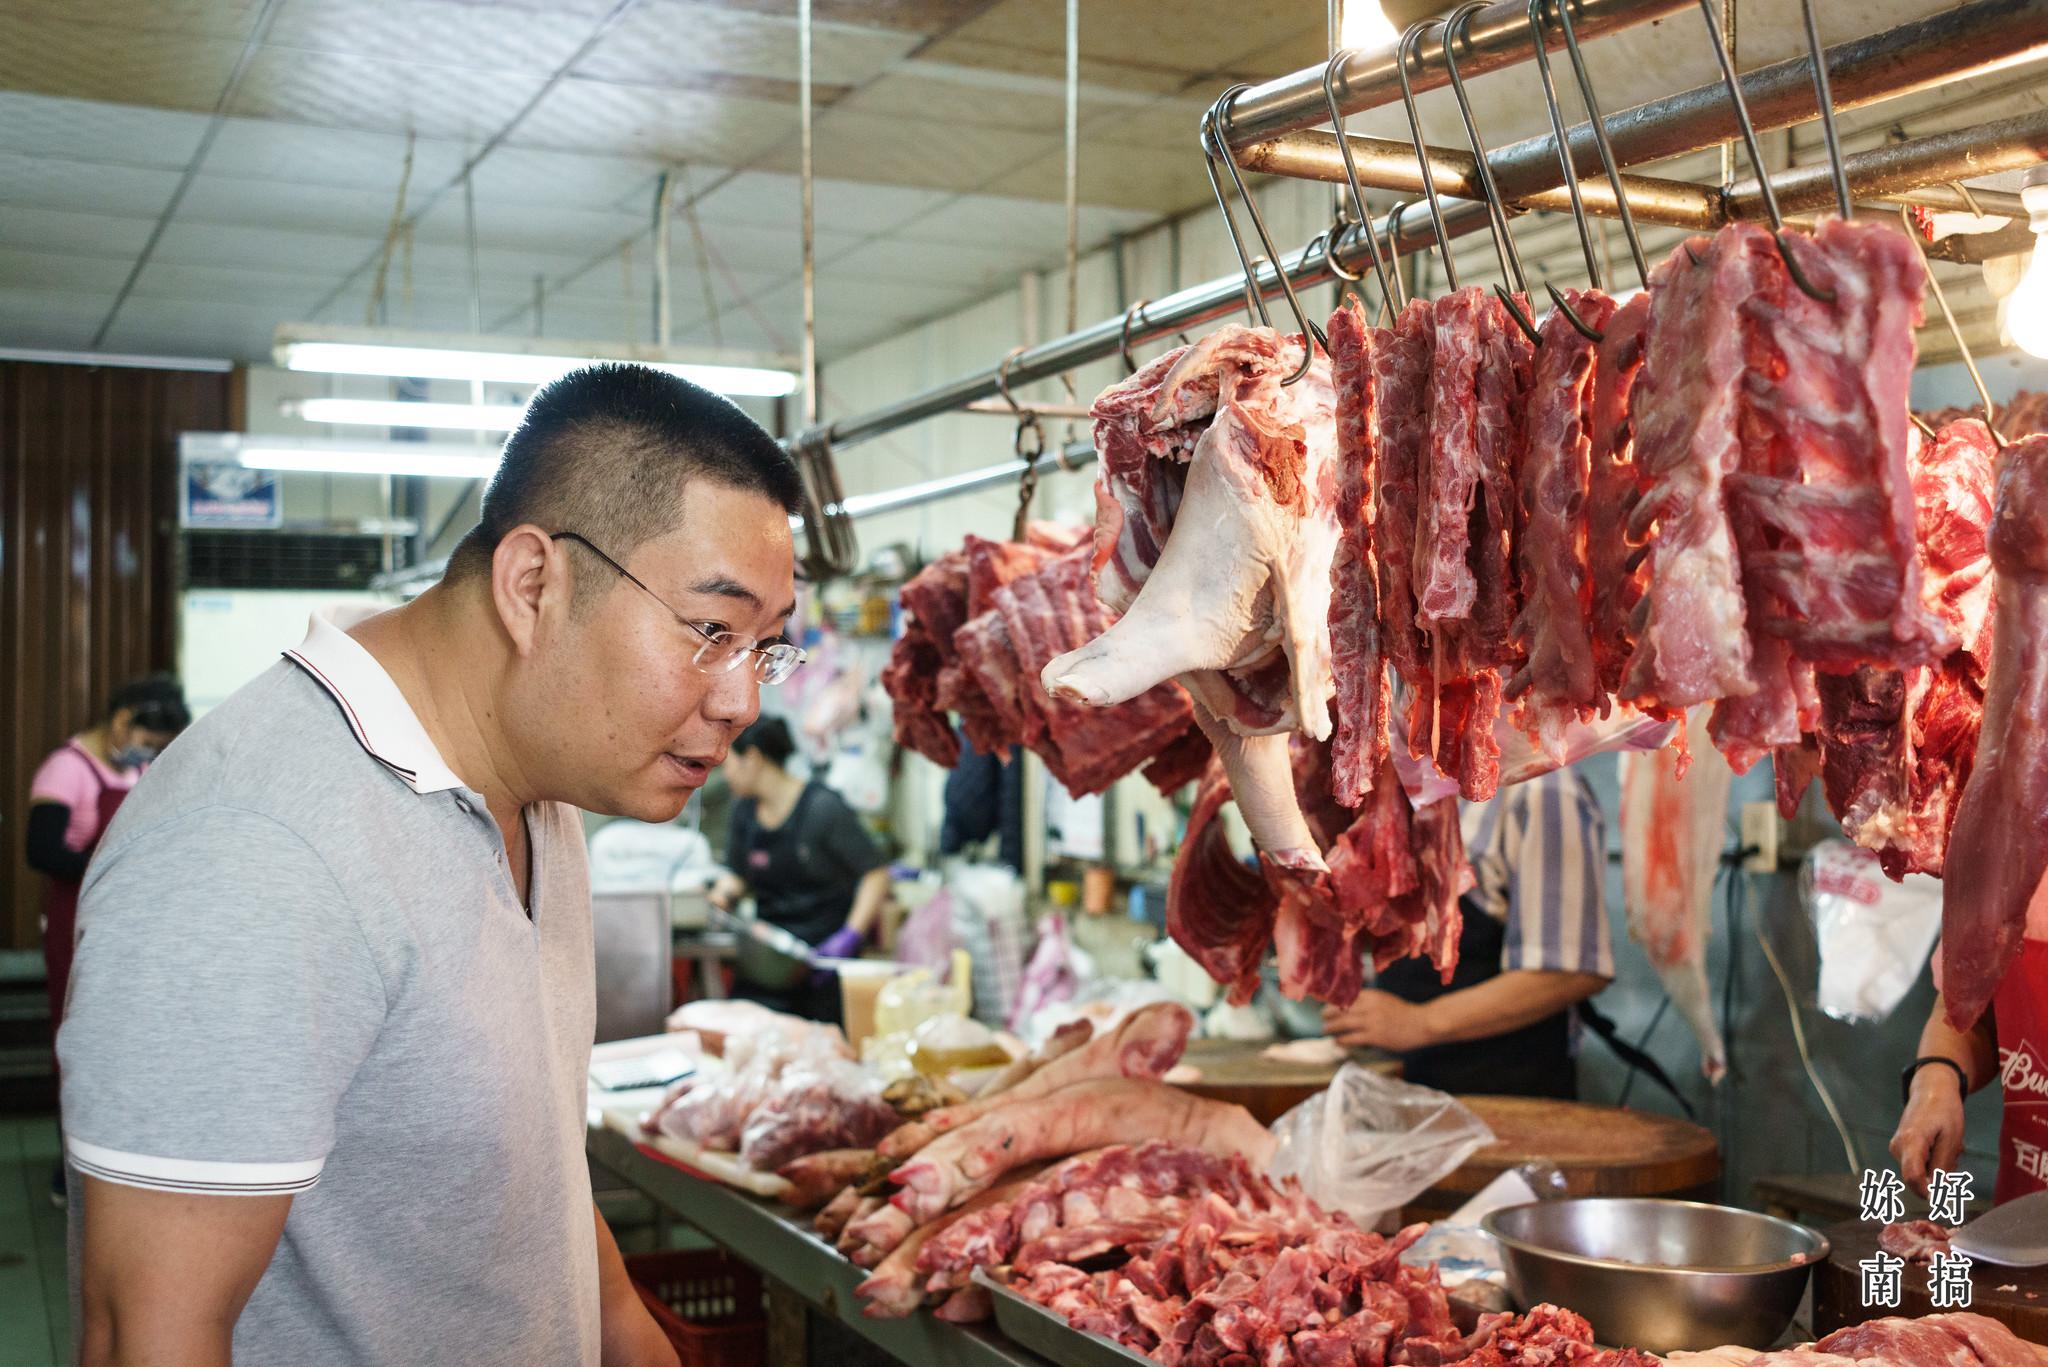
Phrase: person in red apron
(2008, 1044)
(72, 800)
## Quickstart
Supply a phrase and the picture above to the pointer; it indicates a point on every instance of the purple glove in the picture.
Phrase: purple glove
(842, 943)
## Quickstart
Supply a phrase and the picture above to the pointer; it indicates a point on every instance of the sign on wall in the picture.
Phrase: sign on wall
(228, 494)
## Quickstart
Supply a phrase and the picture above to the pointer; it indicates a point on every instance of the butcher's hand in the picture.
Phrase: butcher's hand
(1930, 1133)
(726, 892)
(1380, 1020)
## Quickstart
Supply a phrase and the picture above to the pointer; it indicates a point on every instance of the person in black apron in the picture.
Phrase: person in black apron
(72, 801)
(1534, 948)
(805, 858)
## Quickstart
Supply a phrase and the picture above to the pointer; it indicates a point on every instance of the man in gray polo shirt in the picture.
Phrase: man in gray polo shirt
(325, 1047)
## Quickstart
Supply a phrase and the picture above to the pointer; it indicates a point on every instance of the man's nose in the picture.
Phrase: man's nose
(734, 697)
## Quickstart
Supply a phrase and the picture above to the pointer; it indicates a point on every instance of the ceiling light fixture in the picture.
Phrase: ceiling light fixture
(515, 360)
(431, 460)
(2026, 308)
(460, 417)
(1365, 27)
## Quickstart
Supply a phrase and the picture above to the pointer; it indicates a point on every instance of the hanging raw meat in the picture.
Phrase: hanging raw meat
(1004, 609)
(1998, 848)
(1895, 747)
(1673, 829)
(1357, 658)
(1614, 564)
(1691, 645)
(1401, 357)
(1464, 555)
(1555, 627)
(1209, 438)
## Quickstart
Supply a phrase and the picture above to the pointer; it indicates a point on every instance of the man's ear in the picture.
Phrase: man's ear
(527, 570)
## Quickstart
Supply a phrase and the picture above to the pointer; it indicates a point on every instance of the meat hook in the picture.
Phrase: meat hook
(1123, 337)
(1601, 140)
(1214, 145)
(1356, 191)
(1496, 211)
(1955, 329)
(1825, 100)
(1395, 212)
(1409, 43)
(1756, 156)
(1571, 181)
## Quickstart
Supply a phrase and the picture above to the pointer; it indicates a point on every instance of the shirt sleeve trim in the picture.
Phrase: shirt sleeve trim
(198, 1176)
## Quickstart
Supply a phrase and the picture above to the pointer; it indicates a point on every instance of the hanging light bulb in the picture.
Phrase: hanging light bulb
(2026, 308)
(1365, 26)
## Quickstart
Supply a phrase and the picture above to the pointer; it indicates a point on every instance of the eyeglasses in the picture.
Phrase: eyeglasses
(721, 651)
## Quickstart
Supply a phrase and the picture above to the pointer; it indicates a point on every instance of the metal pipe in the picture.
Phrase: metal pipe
(1983, 150)
(1498, 37)
(1970, 40)
(1163, 317)
(1077, 454)
(1915, 171)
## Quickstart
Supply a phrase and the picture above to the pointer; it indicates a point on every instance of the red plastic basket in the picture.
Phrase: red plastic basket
(707, 1302)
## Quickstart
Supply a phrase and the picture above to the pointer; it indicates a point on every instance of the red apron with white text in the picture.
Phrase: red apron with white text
(60, 902)
(2021, 1013)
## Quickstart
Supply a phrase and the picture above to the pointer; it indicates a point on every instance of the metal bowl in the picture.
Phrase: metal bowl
(1660, 1275)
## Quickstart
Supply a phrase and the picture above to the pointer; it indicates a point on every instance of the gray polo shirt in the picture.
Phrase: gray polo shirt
(303, 968)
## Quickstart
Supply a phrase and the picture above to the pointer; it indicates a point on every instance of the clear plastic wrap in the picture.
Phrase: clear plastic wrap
(815, 1104)
(1370, 1144)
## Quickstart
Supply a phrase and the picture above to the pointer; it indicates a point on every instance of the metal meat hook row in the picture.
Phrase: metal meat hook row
(1134, 314)
(1409, 41)
(1359, 212)
(1496, 211)
(1756, 156)
(1213, 146)
(1571, 179)
(1600, 138)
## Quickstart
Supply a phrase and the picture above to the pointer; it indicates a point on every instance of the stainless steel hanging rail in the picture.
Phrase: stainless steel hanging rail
(1971, 40)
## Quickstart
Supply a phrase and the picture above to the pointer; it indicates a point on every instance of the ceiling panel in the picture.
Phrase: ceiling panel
(1193, 36)
(900, 151)
(61, 270)
(285, 294)
(128, 191)
(315, 253)
(87, 61)
(456, 35)
(557, 228)
(87, 234)
(916, 16)
(1030, 227)
(270, 149)
(654, 123)
(85, 130)
(58, 319)
(218, 327)
(381, 94)
(198, 18)
(236, 201)
(528, 175)
(760, 198)
(1140, 178)
(1124, 72)
(978, 269)
(644, 47)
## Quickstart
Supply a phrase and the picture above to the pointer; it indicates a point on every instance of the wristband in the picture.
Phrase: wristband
(1906, 1075)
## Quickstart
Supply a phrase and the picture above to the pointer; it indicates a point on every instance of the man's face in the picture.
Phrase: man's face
(629, 725)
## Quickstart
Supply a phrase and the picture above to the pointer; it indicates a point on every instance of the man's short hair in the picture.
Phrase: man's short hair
(606, 452)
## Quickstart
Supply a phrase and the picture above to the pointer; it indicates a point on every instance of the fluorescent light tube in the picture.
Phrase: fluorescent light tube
(509, 367)
(465, 417)
(369, 461)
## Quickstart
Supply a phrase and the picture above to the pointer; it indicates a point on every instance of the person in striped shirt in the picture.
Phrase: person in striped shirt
(1535, 944)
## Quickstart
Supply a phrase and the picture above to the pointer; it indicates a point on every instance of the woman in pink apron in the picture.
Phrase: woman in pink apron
(2009, 1045)
(72, 799)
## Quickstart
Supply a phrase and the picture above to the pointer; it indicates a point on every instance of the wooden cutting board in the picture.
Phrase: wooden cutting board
(1838, 1288)
(1602, 1150)
(1237, 1071)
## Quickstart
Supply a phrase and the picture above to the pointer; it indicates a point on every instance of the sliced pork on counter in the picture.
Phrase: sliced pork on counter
(1998, 848)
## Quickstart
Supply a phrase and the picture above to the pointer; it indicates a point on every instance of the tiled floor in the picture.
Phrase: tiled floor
(35, 1328)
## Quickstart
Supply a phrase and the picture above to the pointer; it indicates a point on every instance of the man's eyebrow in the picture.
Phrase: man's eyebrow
(720, 586)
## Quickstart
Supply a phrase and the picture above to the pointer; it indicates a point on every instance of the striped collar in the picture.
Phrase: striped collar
(383, 722)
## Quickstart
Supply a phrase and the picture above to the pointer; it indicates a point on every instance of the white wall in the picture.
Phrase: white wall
(227, 637)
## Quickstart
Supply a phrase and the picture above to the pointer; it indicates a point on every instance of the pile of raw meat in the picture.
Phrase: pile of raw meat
(1720, 505)
(776, 1100)
(983, 621)
(1944, 1340)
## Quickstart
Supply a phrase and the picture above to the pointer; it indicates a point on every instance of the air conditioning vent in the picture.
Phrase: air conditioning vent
(280, 560)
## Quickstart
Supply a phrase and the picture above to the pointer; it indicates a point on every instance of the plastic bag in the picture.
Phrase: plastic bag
(1370, 1144)
(988, 922)
(1521, 759)
(1050, 975)
(711, 1109)
(1873, 933)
